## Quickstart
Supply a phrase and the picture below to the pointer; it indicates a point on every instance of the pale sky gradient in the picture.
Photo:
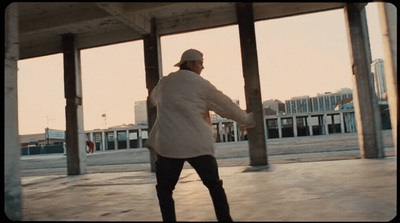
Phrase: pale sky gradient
(298, 55)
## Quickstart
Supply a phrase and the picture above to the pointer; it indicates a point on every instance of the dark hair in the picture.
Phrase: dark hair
(184, 66)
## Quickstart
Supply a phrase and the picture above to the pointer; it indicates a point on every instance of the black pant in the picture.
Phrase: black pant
(168, 171)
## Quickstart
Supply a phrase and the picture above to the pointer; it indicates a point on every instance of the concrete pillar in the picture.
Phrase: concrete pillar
(294, 126)
(366, 108)
(219, 135)
(152, 60)
(266, 129)
(388, 18)
(332, 123)
(103, 141)
(257, 142)
(309, 125)
(12, 151)
(341, 122)
(320, 124)
(75, 135)
(224, 134)
(279, 121)
(140, 144)
(325, 123)
(115, 140)
(91, 137)
(137, 139)
(128, 143)
(226, 131)
(235, 131)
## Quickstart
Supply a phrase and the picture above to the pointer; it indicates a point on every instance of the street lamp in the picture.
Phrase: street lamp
(104, 116)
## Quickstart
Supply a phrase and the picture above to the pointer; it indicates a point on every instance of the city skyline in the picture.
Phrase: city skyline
(298, 55)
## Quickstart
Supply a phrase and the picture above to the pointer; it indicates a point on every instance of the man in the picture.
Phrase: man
(183, 132)
(90, 144)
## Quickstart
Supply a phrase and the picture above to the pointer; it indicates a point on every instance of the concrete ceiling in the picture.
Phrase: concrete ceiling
(42, 24)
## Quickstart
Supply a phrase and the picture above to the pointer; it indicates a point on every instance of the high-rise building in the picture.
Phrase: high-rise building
(378, 74)
(140, 112)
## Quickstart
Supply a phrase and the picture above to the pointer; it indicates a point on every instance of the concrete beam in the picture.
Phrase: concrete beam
(136, 21)
(388, 18)
(257, 141)
(152, 56)
(68, 18)
(365, 102)
(75, 135)
(197, 17)
(99, 24)
(52, 44)
(273, 10)
(12, 148)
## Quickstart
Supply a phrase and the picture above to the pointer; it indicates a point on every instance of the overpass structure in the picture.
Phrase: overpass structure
(34, 29)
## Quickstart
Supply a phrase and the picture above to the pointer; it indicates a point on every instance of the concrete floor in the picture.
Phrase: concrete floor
(339, 190)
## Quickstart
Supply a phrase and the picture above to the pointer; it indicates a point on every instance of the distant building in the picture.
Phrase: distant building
(300, 104)
(346, 103)
(320, 103)
(328, 100)
(50, 136)
(273, 107)
(33, 139)
(140, 112)
(378, 74)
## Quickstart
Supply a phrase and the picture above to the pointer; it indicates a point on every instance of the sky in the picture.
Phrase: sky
(297, 56)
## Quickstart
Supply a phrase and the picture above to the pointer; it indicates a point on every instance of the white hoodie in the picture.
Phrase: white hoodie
(183, 128)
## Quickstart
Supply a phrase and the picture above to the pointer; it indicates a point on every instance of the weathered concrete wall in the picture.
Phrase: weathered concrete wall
(257, 141)
(74, 134)
(152, 58)
(366, 107)
(388, 18)
(12, 170)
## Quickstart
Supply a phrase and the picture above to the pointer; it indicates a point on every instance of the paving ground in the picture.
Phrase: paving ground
(341, 190)
(303, 186)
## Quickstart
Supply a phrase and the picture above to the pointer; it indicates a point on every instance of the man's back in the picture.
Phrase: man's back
(181, 115)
